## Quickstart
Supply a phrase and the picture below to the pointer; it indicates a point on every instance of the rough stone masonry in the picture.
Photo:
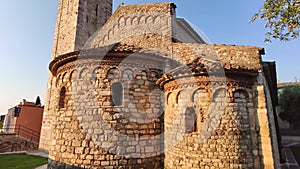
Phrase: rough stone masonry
(139, 88)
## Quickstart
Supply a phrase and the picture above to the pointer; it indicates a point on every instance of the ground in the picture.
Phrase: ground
(21, 161)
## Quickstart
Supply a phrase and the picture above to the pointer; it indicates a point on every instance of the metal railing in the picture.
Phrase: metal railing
(22, 131)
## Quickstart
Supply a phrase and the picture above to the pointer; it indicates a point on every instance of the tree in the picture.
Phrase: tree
(289, 100)
(38, 101)
(282, 17)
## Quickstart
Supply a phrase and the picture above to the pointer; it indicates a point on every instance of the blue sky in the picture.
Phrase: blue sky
(27, 30)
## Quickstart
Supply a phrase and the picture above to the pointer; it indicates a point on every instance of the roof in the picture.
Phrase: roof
(149, 29)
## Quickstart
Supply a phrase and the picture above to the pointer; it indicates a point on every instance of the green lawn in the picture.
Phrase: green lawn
(296, 152)
(21, 161)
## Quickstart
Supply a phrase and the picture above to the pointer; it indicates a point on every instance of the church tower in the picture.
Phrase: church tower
(76, 21)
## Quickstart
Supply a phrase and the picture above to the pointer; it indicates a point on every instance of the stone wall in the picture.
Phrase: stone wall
(106, 110)
(93, 128)
(76, 21)
(12, 142)
(224, 132)
(211, 120)
(136, 20)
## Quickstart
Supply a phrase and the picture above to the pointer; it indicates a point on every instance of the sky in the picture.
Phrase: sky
(27, 31)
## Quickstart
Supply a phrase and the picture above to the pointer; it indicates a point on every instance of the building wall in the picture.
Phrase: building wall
(86, 129)
(12, 142)
(90, 131)
(224, 135)
(142, 20)
(9, 121)
(30, 121)
(76, 21)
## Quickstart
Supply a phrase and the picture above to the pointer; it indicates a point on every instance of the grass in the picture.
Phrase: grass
(296, 152)
(21, 161)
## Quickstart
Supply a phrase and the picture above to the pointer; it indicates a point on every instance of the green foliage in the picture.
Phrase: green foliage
(21, 161)
(282, 18)
(289, 100)
(38, 101)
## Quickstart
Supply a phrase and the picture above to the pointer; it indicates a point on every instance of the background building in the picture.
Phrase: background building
(25, 120)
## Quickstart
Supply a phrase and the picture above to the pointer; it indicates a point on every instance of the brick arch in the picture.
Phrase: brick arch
(244, 91)
(95, 73)
(127, 21)
(194, 93)
(134, 21)
(82, 71)
(156, 19)
(142, 73)
(154, 76)
(71, 76)
(182, 94)
(110, 34)
(105, 38)
(121, 22)
(112, 73)
(219, 91)
(58, 80)
(142, 19)
(168, 98)
(124, 73)
(149, 19)
(64, 77)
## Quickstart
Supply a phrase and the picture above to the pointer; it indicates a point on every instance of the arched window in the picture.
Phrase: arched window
(190, 120)
(62, 96)
(117, 93)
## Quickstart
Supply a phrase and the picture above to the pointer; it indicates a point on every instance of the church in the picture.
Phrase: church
(140, 88)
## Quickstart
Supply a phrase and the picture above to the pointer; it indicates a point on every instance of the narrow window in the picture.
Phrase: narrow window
(97, 8)
(117, 93)
(190, 120)
(62, 96)
(17, 111)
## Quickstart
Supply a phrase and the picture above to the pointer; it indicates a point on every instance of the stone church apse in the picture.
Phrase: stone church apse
(139, 88)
